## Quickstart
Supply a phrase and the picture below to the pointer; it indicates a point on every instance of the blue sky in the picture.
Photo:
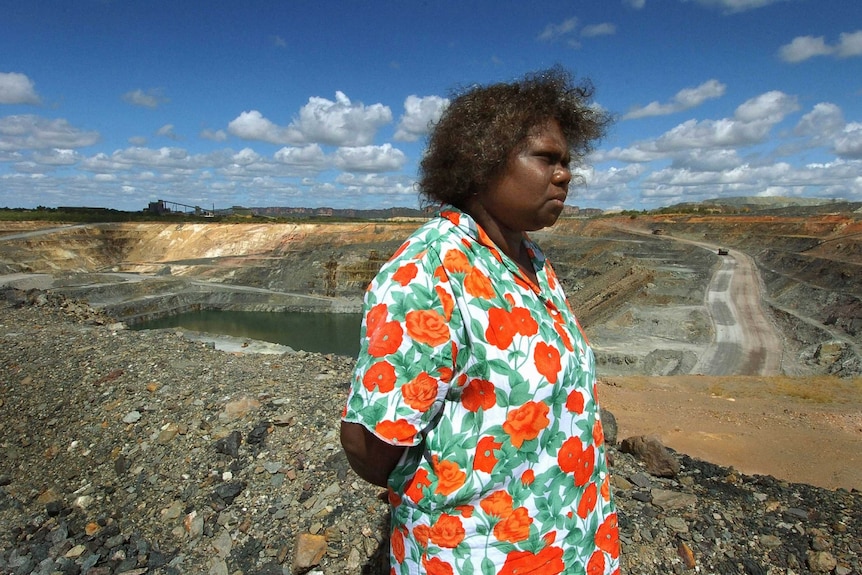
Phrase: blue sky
(116, 103)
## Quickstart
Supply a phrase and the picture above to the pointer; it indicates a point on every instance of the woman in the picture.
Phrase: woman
(473, 398)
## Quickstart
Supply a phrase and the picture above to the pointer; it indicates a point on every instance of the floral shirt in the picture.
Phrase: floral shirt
(490, 382)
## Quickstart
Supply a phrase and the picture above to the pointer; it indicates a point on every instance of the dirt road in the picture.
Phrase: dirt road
(746, 342)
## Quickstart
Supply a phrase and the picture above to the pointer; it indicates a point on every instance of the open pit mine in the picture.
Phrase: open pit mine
(760, 293)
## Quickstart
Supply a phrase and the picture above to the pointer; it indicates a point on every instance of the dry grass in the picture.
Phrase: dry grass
(813, 389)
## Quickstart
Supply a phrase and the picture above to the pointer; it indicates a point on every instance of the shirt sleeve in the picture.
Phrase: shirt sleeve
(407, 349)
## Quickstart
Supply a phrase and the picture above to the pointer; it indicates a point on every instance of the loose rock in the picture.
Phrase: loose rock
(205, 501)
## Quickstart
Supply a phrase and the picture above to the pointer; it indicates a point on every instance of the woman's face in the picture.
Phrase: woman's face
(530, 193)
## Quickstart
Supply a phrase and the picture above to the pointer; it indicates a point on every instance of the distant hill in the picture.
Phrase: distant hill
(381, 214)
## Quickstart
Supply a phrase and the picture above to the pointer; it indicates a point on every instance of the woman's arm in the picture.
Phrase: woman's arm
(370, 457)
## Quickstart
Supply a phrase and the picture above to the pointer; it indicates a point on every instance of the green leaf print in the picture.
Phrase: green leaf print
(520, 394)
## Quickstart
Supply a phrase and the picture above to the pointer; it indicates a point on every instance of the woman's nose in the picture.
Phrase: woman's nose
(562, 175)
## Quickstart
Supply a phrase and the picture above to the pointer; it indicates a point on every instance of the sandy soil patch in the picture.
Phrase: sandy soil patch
(806, 430)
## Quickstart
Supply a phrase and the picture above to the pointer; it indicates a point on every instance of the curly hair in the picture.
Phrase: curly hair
(480, 129)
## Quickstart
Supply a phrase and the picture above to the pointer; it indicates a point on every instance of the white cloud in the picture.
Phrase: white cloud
(768, 108)
(555, 31)
(849, 44)
(567, 31)
(824, 120)
(151, 98)
(167, 131)
(636, 4)
(246, 157)
(341, 123)
(419, 114)
(383, 158)
(28, 132)
(214, 135)
(683, 100)
(734, 6)
(604, 29)
(311, 155)
(168, 160)
(253, 126)
(848, 144)
(803, 48)
(708, 160)
(56, 157)
(17, 88)
(338, 123)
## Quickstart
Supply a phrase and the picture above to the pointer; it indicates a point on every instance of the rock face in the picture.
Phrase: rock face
(144, 452)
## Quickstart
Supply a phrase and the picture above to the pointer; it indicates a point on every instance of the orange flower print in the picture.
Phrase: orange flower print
(417, 485)
(485, 460)
(396, 542)
(552, 277)
(585, 466)
(447, 531)
(447, 302)
(450, 477)
(436, 566)
(380, 375)
(405, 274)
(596, 563)
(515, 527)
(526, 422)
(375, 317)
(528, 477)
(523, 283)
(569, 454)
(399, 251)
(498, 504)
(606, 488)
(445, 374)
(398, 431)
(608, 536)
(453, 217)
(547, 360)
(440, 275)
(422, 533)
(567, 341)
(548, 561)
(588, 501)
(478, 285)
(393, 497)
(479, 394)
(524, 322)
(386, 339)
(427, 326)
(455, 261)
(421, 392)
(465, 510)
(549, 537)
(598, 433)
(575, 402)
(501, 329)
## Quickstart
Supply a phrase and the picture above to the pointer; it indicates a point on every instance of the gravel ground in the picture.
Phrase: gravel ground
(147, 452)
